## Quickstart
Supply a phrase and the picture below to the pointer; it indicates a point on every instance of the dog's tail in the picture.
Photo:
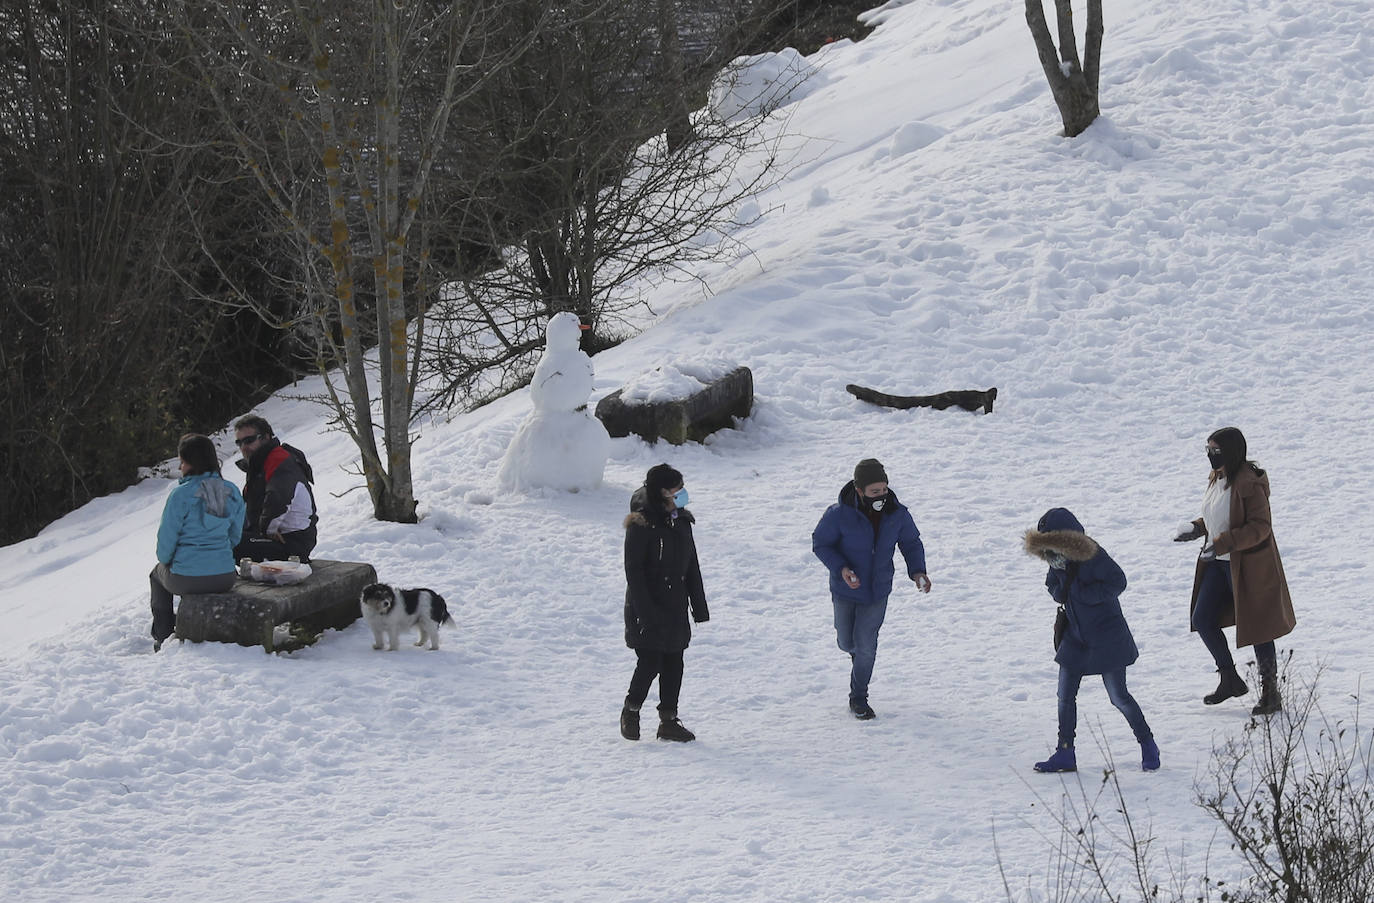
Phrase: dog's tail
(438, 609)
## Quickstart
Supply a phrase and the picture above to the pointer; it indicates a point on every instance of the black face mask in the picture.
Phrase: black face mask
(875, 504)
(1215, 459)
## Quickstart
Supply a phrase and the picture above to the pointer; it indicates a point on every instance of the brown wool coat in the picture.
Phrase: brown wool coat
(1263, 609)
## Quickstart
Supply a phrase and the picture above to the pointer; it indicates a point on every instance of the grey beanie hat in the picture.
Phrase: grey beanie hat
(868, 472)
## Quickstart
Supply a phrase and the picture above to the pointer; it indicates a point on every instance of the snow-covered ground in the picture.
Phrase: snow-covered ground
(1200, 257)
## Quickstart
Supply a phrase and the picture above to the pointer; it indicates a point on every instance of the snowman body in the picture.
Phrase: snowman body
(560, 445)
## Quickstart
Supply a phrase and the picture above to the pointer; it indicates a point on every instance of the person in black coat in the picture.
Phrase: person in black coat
(662, 583)
(1095, 638)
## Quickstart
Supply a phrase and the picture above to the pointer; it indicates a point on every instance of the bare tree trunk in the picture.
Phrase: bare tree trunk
(679, 127)
(392, 344)
(340, 256)
(1073, 84)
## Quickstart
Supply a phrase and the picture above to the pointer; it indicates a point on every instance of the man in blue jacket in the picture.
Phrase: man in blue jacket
(856, 539)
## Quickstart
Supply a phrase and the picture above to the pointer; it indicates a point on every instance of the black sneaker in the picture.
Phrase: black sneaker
(672, 729)
(862, 710)
(629, 723)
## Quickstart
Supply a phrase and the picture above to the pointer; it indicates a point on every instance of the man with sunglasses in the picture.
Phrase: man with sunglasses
(281, 517)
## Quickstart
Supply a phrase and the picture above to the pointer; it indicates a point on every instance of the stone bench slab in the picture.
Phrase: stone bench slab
(680, 420)
(248, 613)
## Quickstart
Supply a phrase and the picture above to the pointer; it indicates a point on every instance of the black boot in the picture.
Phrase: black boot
(1230, 686)
(669, 728)
(1269, 701)
(629, 723)
(861, 710)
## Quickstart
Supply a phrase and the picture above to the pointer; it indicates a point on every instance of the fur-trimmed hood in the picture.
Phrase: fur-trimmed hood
(1096, 638)
(1060, 532)
(639, 504)
(637, 518)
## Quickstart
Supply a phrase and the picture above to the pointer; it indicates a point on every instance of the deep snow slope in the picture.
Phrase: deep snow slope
(1198, 258)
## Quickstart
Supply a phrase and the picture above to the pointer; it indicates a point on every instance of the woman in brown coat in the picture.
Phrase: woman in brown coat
(1239, 579)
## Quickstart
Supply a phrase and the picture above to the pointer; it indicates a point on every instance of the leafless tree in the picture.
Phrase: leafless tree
(340, 109)
(591, 176)
(1295, 794)
(1073, 83)
(99, 344)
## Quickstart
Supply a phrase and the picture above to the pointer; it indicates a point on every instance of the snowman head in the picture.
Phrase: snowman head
(563, 332)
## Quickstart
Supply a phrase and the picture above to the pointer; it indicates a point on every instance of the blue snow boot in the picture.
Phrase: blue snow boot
(1063, 759)
(1149, 755)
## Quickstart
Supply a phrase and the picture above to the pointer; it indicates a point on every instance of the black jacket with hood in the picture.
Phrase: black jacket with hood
(273, 474)
(662, 577)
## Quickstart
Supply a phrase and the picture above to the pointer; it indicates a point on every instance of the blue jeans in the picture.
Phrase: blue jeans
(1215, 596)
(856, 632)
(1115, 682)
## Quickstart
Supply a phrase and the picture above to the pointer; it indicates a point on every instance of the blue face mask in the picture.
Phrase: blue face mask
(680, 497)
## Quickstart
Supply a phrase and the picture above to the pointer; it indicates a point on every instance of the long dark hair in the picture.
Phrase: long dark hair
(199, 452)
(659, 478)
(1231, 441)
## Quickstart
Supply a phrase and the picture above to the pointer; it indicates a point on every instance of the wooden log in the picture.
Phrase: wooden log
(968, 399)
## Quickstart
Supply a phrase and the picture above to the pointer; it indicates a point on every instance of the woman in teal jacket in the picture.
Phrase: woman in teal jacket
(201, 523)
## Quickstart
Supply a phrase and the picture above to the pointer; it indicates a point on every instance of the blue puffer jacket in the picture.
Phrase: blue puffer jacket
(1098, 639)
(201, 523)
(845, 538)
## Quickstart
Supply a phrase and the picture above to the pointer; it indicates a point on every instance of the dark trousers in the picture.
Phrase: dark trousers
(1215, 597)
(264, 548)
(667, 667)
(1115, 682)
(165, 584)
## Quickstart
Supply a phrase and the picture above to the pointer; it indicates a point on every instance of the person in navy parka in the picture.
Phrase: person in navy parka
(1087, 583)
(856, 539)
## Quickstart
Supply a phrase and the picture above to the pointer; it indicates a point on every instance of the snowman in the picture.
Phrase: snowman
(560, 445)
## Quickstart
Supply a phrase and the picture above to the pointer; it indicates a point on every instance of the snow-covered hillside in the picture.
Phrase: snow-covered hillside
(1200, 257)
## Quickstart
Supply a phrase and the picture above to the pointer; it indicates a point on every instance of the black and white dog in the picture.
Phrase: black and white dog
(388, 609)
